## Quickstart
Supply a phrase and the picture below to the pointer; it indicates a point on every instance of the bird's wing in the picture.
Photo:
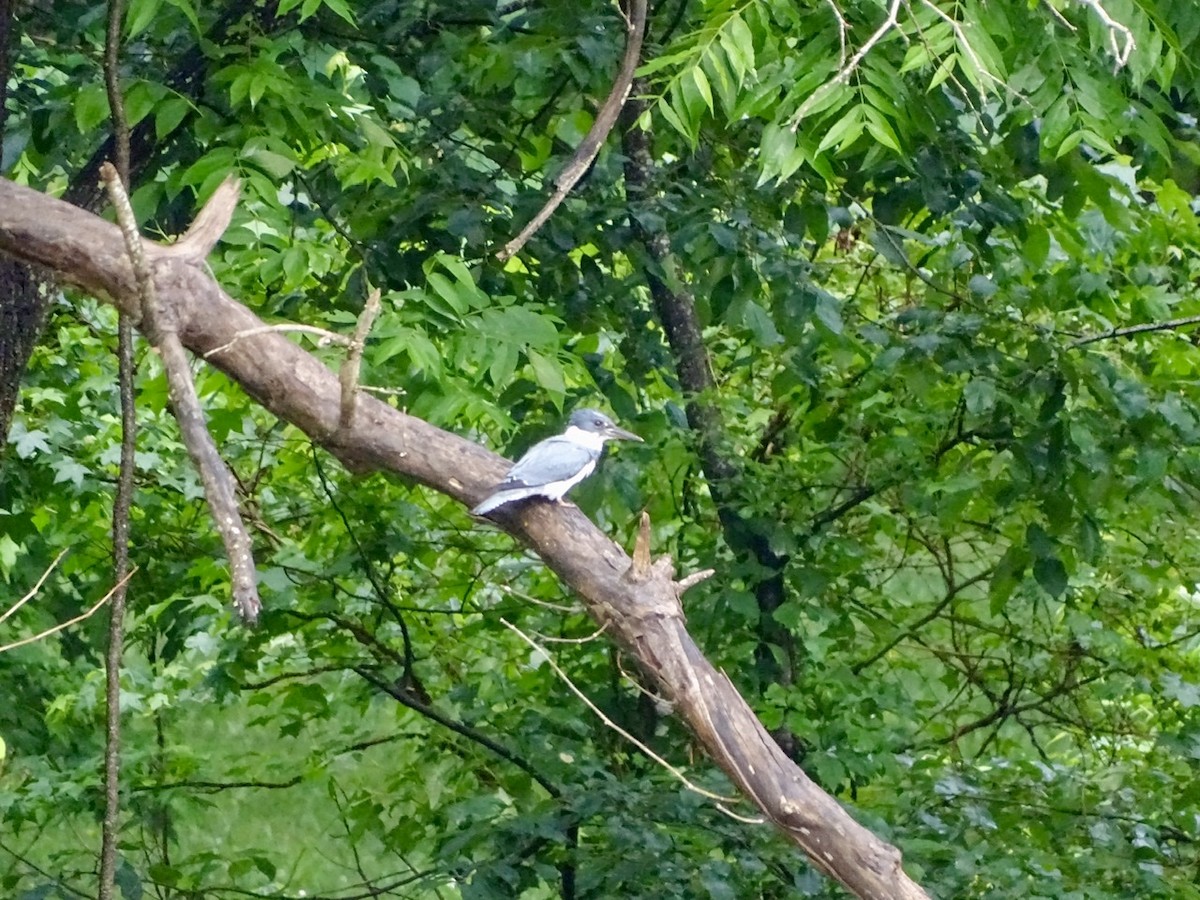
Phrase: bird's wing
(546, 462)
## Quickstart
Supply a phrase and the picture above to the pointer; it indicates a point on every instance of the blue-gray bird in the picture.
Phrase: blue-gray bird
(552, 467)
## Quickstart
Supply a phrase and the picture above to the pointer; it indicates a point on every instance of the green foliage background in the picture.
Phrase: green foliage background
(910, 281)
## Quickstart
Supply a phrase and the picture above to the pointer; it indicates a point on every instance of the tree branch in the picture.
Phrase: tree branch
(589, 147)
(123, 501)
(218, 482)
(1130, 330)
(67, 624)
(643, 615)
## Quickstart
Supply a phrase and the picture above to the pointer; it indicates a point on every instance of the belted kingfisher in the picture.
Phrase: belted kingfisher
(552, 467)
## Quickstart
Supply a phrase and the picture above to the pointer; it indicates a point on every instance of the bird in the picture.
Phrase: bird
(552, 467)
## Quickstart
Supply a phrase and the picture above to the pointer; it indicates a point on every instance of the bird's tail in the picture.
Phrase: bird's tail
(499, 498)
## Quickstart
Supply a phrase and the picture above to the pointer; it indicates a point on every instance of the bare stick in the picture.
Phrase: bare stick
(79, 618)
(556, 607)
(1123, 47)
(844, 73)
(1061, 18)
(957, 28)
(33, 590)
(843, 30)
(218, 483)
(582, 640)
(123, 500)
(690, 785)
(606, 118)
(327, 337)
(689, 581)
(348, 373)
(1169, 325)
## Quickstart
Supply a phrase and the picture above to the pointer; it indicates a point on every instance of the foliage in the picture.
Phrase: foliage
(912, 281)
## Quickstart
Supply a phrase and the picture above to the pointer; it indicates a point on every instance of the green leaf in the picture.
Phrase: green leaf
(139, 15)
(274, 164)
(9, 551)
(703, 87)
(450, 291)
(547, 373)
(982, 286)
(1051, 574)
(828, 313)
(738, 44)
(979, 395)
(340, 9)
(90, 107)
(168, 115)
(188, 8)
(844, 131)
(1008, 575)
(504, 363)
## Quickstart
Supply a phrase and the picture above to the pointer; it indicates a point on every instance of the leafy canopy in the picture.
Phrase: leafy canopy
(913, 266)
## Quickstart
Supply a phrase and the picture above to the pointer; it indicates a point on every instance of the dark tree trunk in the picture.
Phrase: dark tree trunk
(681, 324)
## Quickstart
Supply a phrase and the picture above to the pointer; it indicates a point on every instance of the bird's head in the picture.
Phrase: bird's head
(597, 423)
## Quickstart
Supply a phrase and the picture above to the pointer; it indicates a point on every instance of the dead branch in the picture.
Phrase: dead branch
(123, 497)
(218, 482)
(683, 779)
(79, 618)
(1129, 331)
(37, 587)
(694, 579)
(641, 549)
(209, 225)
(589, 147)
(326, 336)
(348, 374)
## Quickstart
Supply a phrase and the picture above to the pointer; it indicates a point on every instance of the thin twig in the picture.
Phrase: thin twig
(1145, 328)
(956, 28)
(112, 85)
(327, 337)
(460, 728)
(348, 374)
(218, 482)
(661, 703)
(582, 640)
(123, 501)
(546, 604)
(690, 785)
(606, 118)
(37, 587)
(843, 30)
(79, 618)
(749, 820)
(1122, 49)
(844, 73)
(1058, 15)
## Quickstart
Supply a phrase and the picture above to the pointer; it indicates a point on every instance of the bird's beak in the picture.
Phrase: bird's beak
(620, 434)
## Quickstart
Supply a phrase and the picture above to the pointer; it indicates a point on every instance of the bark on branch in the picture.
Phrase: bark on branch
(219, 488)
(639, 608)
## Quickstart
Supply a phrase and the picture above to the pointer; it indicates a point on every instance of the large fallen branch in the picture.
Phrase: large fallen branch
(637, 604)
